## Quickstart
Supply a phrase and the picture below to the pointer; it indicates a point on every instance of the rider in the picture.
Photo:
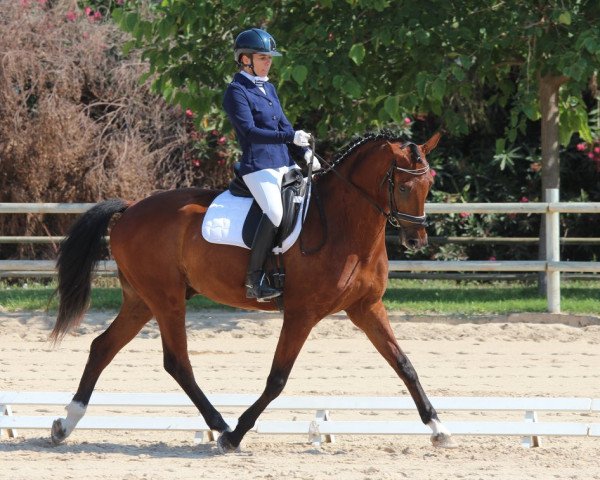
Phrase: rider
(264, 133)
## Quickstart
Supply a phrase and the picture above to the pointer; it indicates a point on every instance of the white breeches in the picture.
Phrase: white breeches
(265, 186)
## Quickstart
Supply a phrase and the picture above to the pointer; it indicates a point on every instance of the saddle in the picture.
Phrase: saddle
(232, 219)
(292, 192)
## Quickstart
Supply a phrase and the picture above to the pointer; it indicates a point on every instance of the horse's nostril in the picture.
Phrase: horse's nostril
(413, 243)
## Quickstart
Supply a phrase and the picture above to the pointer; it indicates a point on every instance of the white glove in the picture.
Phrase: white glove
(316, 164)
(301, 138)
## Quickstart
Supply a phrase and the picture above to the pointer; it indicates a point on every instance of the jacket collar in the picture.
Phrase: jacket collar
(254, 79)
(249, 85)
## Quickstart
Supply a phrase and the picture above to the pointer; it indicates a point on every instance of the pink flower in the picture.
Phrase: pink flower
(189, 113)
(591, 155)
(524, 200)
(492, 259)
(581, 146)
(97, 16)
(433, 172)
(196, 162)
(88, 11)
(71, 16)
(407, 121)
(24, 3)
(222, 141)
(464, 215)
(215, 133)
(597, 150)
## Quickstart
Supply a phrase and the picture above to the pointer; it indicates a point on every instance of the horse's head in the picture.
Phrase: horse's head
(408, 182)
(391, 176)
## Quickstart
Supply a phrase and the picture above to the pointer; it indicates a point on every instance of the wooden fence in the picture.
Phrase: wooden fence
(551, 265)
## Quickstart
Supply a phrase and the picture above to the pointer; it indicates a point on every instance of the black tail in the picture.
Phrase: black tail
(77, 256)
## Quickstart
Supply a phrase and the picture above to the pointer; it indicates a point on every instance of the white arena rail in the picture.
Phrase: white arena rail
(322, 424)
(551, 265)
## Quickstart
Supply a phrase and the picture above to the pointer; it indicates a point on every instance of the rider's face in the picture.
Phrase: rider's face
(262, 64)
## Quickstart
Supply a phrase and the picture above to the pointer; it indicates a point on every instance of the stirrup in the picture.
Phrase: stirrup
(266, 298)
(260, 291)
(262, 295)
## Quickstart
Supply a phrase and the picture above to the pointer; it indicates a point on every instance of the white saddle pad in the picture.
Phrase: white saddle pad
(224, 221)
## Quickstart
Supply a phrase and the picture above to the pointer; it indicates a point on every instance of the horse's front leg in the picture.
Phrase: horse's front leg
(294, 333)
(373, 320)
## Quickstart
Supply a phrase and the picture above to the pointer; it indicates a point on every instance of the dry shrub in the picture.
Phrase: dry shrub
(75, 124)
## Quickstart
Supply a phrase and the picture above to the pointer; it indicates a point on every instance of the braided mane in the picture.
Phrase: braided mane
(357, 142)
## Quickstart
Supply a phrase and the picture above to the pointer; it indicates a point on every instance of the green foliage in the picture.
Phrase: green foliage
(506, 159)
(573, 119)
(469, 67)
(349, 66)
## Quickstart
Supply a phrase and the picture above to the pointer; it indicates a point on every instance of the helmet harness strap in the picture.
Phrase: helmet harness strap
(250, 65)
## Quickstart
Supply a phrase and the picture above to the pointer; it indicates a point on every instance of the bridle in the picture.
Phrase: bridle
(394, 216)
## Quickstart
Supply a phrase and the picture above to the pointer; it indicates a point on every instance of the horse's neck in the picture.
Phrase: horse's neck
(351, 218)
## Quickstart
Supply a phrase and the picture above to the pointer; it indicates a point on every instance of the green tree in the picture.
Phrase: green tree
(357, 64)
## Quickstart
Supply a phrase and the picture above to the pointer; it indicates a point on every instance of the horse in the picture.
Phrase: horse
(163, 260)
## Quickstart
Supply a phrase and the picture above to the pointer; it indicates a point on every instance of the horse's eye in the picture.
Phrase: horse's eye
(402, 188)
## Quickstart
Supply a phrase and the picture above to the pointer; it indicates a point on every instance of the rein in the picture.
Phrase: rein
(312, 189)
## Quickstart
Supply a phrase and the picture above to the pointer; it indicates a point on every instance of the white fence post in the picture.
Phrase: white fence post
(552, 252)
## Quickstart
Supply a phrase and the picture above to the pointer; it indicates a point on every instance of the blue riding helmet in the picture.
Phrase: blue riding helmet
(254, 40)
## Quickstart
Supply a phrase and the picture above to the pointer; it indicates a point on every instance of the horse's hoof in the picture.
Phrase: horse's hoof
(58, 433)
(224, 444)
(443, 440)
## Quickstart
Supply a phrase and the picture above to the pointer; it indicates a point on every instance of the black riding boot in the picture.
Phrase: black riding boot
(256, 287)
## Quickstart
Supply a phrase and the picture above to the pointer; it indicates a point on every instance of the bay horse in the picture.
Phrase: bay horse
(163, 260)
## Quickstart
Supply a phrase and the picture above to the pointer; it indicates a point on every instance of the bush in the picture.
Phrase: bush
(75, 123)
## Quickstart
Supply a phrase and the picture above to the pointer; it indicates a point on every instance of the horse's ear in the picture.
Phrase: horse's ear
(431, 143)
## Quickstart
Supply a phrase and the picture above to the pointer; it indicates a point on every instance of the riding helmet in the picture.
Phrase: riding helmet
(254, 40)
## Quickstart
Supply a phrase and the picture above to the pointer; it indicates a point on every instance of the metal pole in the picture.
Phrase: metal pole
(552, 252)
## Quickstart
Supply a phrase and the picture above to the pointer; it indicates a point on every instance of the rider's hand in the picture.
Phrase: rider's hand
(315, 162)
(301, 138)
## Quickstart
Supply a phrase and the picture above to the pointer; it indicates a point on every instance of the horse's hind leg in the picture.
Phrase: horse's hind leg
(373, 320)
(171, 320)
(134, 314)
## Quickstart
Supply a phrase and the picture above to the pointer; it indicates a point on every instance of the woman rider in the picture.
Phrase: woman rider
(264, 133)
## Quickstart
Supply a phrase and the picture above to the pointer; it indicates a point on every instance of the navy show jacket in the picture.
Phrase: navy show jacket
(261, 127)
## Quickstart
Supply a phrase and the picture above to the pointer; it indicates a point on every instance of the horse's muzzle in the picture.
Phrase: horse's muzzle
(413, 239)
